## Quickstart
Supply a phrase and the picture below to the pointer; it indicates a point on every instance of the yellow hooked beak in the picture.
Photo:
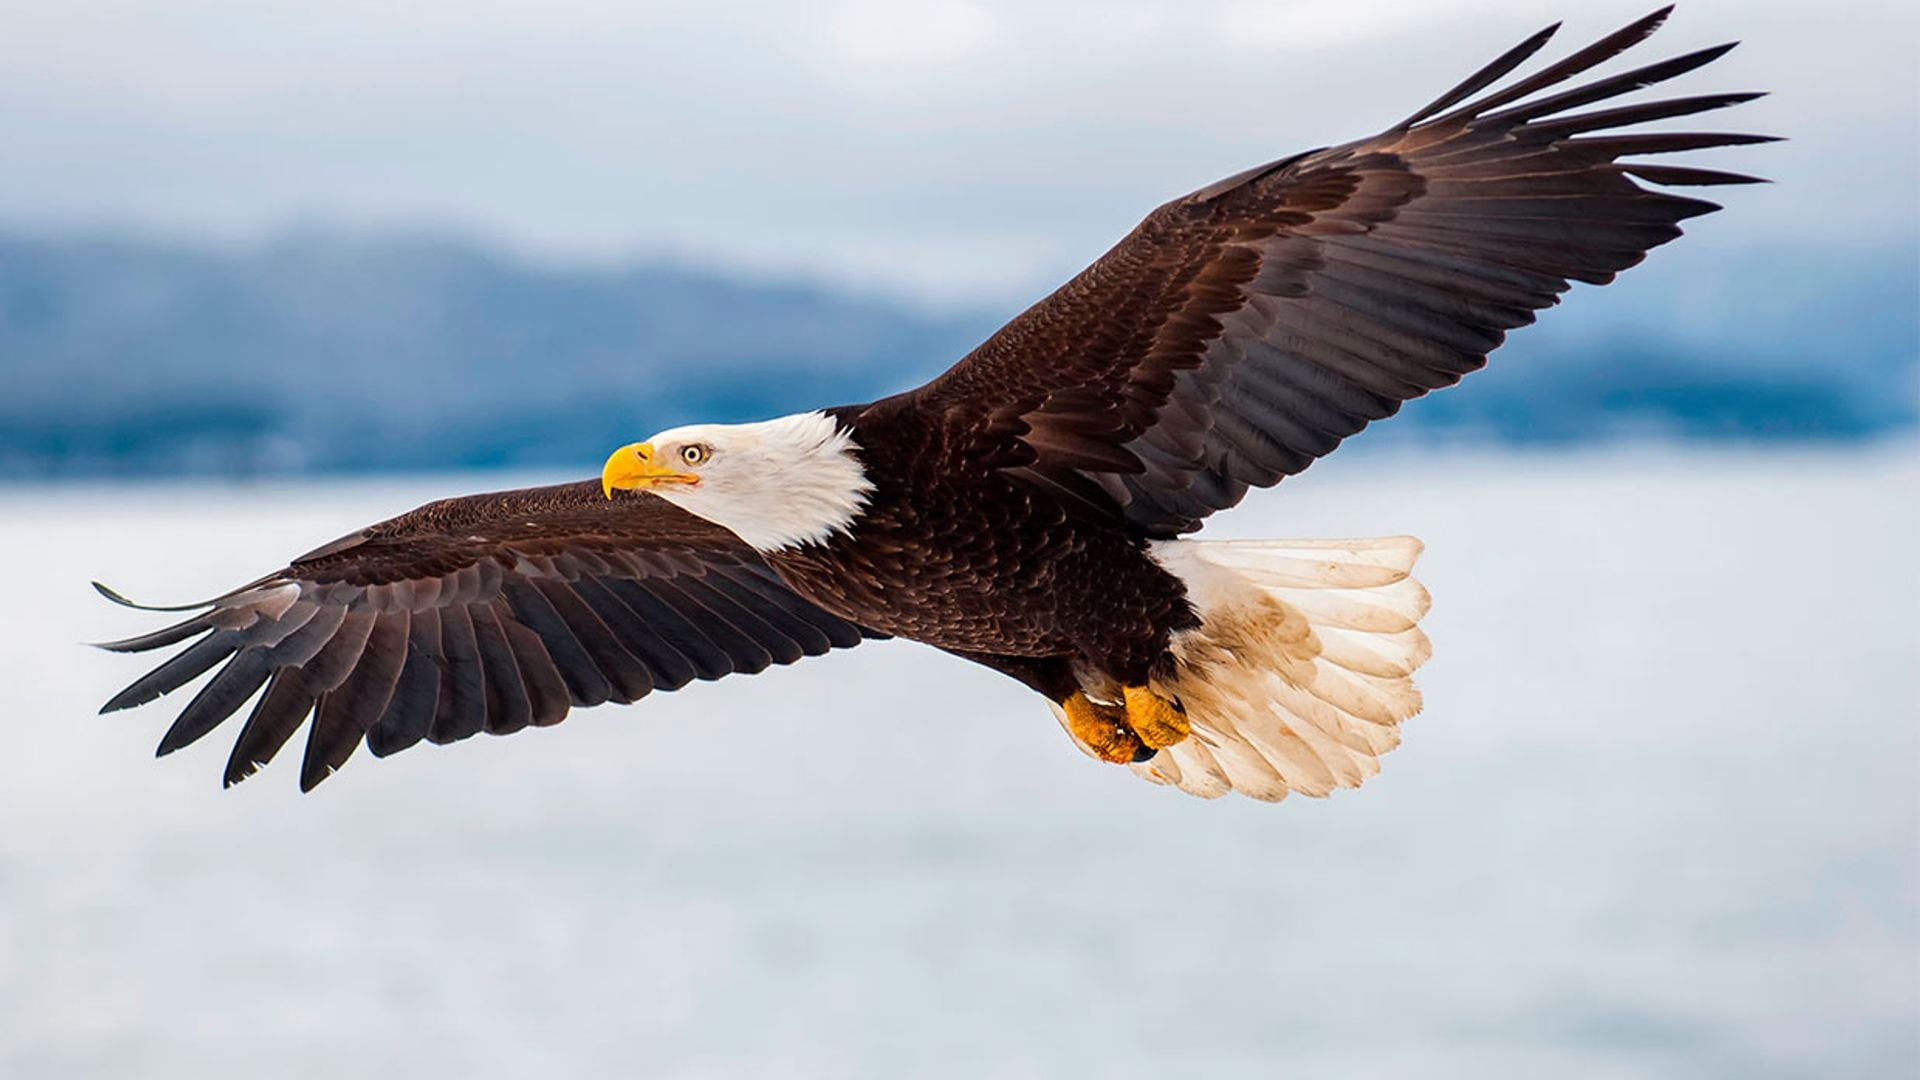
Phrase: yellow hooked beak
(634, 466)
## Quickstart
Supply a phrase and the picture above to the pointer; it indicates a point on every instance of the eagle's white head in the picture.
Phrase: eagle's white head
(775, 484)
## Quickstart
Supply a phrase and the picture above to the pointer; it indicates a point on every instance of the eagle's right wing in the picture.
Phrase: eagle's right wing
(1240, 333)
(484, 613)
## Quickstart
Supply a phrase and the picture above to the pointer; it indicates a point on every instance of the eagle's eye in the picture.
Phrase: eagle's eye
(694, 453)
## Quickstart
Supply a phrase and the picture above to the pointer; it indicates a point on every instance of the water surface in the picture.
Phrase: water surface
(1659, 819)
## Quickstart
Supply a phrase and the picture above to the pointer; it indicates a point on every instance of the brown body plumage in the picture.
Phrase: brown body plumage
(1021, 509)
(949, 543)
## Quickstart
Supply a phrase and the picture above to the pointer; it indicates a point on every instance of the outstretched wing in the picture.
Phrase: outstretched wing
(485, 613)
(1243, 331)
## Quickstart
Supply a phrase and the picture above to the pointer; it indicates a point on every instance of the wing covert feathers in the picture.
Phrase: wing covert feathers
(490, 613)
(1301, 671)
(1242, 332)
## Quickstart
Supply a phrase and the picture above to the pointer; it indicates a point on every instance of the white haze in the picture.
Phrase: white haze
(1658, 820)
(956, 149)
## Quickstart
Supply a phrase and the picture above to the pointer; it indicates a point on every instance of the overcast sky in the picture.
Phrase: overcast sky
(959, 151)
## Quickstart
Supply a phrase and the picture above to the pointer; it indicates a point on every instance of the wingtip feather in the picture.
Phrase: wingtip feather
(313, 773)
(1500, 67)
(132, 697)
(119, 598)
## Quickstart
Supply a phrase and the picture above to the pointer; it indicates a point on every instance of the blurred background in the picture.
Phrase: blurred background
(270, 271)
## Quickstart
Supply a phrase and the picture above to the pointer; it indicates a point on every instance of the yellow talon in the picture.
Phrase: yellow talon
(1157, 721)
(1101, 730)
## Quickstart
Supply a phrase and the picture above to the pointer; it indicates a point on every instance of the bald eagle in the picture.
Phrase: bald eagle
(1027, 509)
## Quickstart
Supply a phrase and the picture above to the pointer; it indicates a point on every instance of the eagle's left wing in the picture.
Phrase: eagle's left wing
(483, 613)
(1243, 331)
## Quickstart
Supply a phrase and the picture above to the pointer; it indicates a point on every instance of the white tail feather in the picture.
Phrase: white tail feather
(1300, 671)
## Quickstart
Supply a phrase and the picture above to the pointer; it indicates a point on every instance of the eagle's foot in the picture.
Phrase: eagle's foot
(1102, 731)
(1155, 720)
